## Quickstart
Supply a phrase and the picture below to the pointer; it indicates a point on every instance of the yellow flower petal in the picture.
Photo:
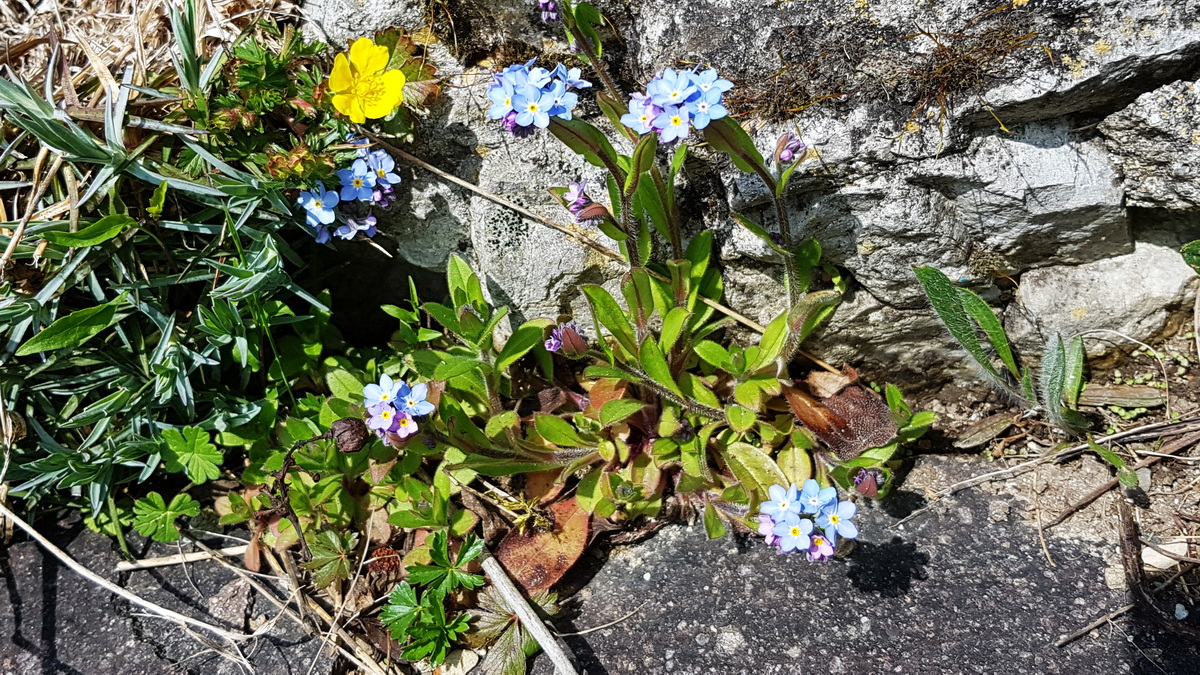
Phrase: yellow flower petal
(394, 80)
(367, 57)
(340, 79)
(351, 106)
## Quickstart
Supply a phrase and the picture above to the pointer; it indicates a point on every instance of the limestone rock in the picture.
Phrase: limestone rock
(1156, 144)
(1134, 294)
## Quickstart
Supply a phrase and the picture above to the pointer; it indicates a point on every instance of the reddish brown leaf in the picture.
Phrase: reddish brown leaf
(543, 486)
(537, 560)
(549, 400)
(604, 390)
(824, 384)
(849, 423)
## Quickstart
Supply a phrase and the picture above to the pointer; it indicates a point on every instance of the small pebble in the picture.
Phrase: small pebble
(1181, 612)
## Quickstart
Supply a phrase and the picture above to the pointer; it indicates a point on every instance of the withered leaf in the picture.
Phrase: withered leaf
(543, 485)
(985, 430)
(604, 390)
(538, 559)
(824, 384)
(849, 423)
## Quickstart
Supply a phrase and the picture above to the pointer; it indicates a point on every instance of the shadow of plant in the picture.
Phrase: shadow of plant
(887, 569)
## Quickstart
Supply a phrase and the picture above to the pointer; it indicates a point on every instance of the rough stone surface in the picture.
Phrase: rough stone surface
(1134, 294)
(1156, 142)
(956, 590)
(54, 621)
(904, 169)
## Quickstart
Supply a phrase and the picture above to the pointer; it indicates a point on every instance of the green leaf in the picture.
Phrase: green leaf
(587, 18)
(158, 200)
(611, 316)
(343, 385)
(445, 575)
(753, 468)
(727, 136)
(74, 329)
(796, 465)
(618, 410)
(520, 342)
(401, 611)
(1053, 378)
(155, 519)
(712, 353)
(1126, 476)
(808, 257)
(804, 318)
(672, 327)
(774, 339)
(758, 231)
(655, 365)
(1073, 384)
(608, 371)
(97, 233)
(465, 288)
(1191, 254)
(192, 453)
(497, 424)
(455, 366)
(588, 142)
(332, 557)
(558, 431)
(714, 526)
(901, 412)
(987, 320)
(643, 160)
(948, 304)
(740, 419)
(589, 493)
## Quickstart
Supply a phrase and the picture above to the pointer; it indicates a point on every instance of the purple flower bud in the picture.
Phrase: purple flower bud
(510, 123)
(789, 148)
(549, 10)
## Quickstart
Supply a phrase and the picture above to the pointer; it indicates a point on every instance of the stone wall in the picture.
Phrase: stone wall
(1055, 144)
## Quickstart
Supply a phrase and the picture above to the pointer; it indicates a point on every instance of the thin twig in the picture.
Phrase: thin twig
(1172, 448)
(1173, 556)
(529, 619)
(610, 624)
(279, 604)
(1067, 639)
(1037, 513)
(33, 200)
(164, 561)
(109, 586)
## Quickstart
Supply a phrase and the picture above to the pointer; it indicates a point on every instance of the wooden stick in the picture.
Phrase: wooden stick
(33, 200)
(113, 588)
(179, 559)
(529, 619)
(1067, 639)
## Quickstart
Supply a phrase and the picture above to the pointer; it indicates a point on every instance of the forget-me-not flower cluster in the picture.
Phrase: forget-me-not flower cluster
(393, 406)
(369, 181)
(524, 97)
(677, 100)
(789, 519)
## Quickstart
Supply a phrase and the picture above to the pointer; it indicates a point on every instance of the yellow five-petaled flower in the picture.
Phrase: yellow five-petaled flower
(361, 87)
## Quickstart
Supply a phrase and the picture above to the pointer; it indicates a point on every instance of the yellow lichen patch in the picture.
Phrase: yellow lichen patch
(1079, 312)
(1102, 47)
(1074, 65)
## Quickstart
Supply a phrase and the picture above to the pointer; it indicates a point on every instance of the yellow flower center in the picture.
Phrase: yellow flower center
(818, 541)
(318, 203)
(533, 107)
(834, 519)
(404, 422)
(676, 121)
(795, 531)
(358, 182)
(386, 414)
(385, 397)
(380, 172)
